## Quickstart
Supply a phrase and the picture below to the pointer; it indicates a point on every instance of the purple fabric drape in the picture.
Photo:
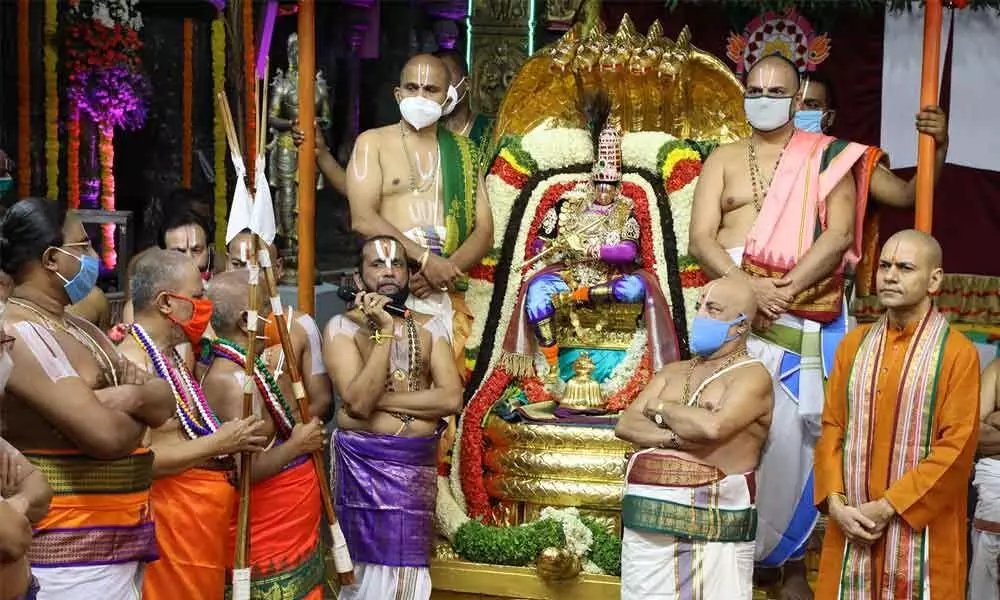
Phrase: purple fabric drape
(385, 496)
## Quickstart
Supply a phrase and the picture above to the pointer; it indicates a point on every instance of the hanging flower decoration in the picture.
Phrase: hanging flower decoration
(103, 63)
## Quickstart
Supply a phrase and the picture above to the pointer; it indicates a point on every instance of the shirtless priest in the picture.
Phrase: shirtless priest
(418, 182)
(701, 424)
(398, 381)
(191, 495)
(780, 210)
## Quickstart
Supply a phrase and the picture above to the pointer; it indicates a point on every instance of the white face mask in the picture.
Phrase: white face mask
(420, 112)
(767, 114)
(453, 98)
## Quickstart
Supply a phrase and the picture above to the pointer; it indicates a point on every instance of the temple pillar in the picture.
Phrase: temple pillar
(502, 32)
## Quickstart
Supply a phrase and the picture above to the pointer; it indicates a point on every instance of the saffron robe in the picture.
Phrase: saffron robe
(931, 497)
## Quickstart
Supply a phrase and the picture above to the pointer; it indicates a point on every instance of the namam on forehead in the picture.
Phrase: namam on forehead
(774, 75)
(731, 296)
(424, 71)
(913, 247)
(240, 248)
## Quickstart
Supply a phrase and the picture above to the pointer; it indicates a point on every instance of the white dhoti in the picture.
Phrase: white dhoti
(799, 355)
(379, 582)
(101, 582)
(689, 530)
(984, 575)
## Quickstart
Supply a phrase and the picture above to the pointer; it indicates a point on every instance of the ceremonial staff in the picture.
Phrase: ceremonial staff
(241, 206)
(307, 156)
(928, 96)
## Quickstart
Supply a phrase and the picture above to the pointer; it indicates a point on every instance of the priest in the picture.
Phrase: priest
(898, 440)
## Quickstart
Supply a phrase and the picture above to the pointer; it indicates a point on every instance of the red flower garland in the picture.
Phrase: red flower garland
(510, 175)
(477, 499)
(534, 390)
(683, 173)
(694, 278)
(73, 159)
(482, 272)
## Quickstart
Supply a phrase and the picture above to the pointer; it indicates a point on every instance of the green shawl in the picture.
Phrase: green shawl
(459, 175)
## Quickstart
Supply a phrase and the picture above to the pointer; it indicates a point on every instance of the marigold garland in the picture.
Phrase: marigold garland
(51, 59)
(219, 131)
(23, 98)
(73, 158)
(187, 113)
(106, 152)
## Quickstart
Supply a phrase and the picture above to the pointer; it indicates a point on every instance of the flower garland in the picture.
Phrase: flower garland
(196, 416)
(187, 112)
(106, 152)
(23, 98)
(73, 158)
(274, 399)
(219, 131)
(51, 59)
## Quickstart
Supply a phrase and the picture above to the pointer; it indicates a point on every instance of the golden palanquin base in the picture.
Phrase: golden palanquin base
(460, 580)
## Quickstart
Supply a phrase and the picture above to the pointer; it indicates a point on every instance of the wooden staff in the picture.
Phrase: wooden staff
(341, 556)
(307, 156)
(926, 146)
(241, 581)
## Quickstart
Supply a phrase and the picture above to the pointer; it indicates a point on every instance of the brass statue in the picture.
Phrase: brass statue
(283, 156)
(582, 391)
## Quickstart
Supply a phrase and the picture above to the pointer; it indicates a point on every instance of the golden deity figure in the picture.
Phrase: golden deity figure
(283, 156)
(582, 391)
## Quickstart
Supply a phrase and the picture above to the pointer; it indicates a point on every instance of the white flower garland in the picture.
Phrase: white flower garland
(579, 538)
(477, 298)
(114, 12)
(449, 516)
(559, 147)
(681, 203)
(691, 296)
(627, 367)
(502, 196)
(640, 149)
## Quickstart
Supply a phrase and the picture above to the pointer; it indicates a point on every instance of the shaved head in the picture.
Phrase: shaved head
(424, 74)
(909, 272)
(930, 248)
(733, 298)
(230, 296)
(155, 271)
(774, 70)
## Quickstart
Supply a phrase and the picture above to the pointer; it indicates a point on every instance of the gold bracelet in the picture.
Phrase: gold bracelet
(842, 497)
(380, 338)
(423, 260)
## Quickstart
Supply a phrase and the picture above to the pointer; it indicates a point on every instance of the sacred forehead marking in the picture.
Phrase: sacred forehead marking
(386, 251)
(423, 74)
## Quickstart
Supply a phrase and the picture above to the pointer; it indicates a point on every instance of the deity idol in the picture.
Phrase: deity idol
(597, 233)
(283, 159)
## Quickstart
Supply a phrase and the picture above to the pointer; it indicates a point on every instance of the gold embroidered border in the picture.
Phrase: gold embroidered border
(666, 470)
(78, 474)
(691, 522)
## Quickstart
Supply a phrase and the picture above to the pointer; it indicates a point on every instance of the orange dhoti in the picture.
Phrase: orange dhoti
(285, 512)
(192, 511)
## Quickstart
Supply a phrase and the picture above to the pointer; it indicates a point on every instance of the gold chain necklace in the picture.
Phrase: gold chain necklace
(722, 367)
(74, 331)
(761, 186)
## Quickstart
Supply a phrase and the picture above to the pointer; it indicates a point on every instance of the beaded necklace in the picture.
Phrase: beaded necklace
(274, 400)
(415, 365)
(761, 185)
(722, 367)
(196, 416)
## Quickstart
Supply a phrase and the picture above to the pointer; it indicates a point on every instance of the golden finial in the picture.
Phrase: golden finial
(684, 39)
(626, 35)
(655, 33)
(565, 49)
(582, 391)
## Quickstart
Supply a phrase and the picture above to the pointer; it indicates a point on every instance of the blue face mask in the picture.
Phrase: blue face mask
(809, 120)
(85, 279)
(708, 334)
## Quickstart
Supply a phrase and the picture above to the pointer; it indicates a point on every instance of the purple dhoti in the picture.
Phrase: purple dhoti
(386, 489)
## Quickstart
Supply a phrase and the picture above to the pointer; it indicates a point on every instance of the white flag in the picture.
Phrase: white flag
(239, 212)
(262, 217)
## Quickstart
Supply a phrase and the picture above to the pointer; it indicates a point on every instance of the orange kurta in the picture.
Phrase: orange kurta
(192, 510)
(932, 496)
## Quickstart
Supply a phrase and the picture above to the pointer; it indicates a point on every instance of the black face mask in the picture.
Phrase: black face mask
(399, 297)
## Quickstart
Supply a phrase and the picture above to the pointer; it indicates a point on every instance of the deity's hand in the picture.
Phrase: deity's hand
(241, 435)
(308, 437)
(932, 121)
(420, 287)
(858, 528)
(772, 299)
(440, 272)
